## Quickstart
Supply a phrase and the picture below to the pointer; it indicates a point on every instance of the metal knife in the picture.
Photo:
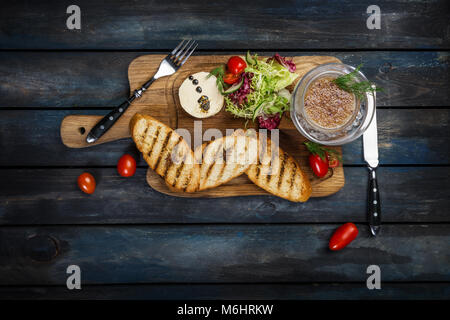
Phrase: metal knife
(370, 144)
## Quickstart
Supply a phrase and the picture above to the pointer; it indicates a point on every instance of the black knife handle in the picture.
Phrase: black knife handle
(374, 205)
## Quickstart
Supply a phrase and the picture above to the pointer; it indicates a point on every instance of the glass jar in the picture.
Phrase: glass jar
(350, 130)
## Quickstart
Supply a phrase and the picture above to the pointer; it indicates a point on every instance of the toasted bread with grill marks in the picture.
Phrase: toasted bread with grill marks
(166, 152)
(278, 173)
(224, 159)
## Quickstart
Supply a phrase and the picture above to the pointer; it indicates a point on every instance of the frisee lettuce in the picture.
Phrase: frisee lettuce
(267, 95)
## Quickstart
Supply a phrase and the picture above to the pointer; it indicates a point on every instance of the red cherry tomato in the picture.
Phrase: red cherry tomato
(333, 162)
(126, 166)
(318, 166)
(236, 65)
(343, 236)
(230, 78)
(86, 182)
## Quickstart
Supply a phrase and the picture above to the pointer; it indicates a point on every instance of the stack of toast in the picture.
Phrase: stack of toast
(219, 161)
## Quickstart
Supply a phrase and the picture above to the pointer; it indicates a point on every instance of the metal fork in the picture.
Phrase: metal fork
(168, 66)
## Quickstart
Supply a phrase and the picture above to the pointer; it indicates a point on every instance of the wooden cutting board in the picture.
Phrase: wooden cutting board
(161, 101)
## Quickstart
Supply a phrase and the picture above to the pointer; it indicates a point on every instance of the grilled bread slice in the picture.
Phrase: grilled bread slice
(224, 159)
(279, 173)
(166, 152)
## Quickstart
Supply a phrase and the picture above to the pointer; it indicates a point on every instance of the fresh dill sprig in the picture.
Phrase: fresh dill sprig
(349, 83)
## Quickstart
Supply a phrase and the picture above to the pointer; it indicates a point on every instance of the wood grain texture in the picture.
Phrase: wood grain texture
(243, 186)
(161, 101)
(217, 257)
(406, 136)
(223, 254)
(153, 102)
(154, 24)
(51, 196)
(99, 79)
(285, 291)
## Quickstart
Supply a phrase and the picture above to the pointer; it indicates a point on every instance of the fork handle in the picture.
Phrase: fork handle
(108, 121)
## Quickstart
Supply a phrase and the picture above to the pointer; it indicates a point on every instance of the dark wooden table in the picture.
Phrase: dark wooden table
(133, 242)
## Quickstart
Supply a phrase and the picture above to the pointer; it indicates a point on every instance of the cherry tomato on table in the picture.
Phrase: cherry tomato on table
(343, 236)
(126, 166)
(230, 78)
(318, 165)
(86, 183)
(236, 65)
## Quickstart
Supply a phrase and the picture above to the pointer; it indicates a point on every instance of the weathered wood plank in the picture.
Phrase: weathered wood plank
(99, 79)
(51, 196)
(68, 79)
(220, 254)
(407, 137)
(31, 138)
(315, 291)
(234, 24)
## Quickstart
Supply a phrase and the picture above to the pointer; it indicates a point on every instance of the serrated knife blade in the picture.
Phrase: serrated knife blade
(370, 145)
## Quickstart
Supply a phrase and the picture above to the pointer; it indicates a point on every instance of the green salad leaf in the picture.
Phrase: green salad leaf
(268, 95)
(218, 73)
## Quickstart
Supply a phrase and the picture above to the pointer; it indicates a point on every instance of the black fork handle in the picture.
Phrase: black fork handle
(108, 121)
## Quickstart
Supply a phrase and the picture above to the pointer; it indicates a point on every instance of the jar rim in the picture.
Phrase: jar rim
(368, 103)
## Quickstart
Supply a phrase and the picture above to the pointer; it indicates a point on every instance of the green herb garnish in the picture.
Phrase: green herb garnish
(321, 151)
(218, 72)
(350, 84)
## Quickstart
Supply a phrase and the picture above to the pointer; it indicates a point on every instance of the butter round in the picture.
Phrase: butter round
(189, 95)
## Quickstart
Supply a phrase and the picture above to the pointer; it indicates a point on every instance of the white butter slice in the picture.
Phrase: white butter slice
(189, 96)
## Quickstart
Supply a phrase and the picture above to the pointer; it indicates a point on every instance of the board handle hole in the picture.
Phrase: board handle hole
(82, 130)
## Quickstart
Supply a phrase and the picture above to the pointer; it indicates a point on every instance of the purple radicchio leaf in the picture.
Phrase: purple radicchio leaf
(269, 122)
(288, 64)
(239, 97)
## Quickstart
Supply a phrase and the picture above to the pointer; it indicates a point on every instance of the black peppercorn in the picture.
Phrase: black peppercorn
(195, 82)
(198, 89)
(191, 78)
